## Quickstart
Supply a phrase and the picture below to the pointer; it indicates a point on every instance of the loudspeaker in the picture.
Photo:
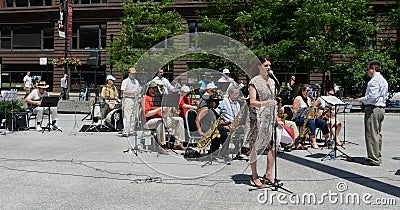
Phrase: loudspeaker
(94, 59)
(20, 121)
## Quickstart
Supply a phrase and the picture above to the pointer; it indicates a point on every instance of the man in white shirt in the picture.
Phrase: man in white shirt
(64, 87)
(225, 76)
(27, 83)
(161, 81)
(130, 89)
(34, 100)
(375, 103)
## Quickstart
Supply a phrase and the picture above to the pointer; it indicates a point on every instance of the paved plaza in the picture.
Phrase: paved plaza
(75, 170)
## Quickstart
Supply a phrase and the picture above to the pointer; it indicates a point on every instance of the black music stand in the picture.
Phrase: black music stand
(166, 100)
(9, 96)
(333, 101)
(223, 86)
(48, 102)
(344, 110)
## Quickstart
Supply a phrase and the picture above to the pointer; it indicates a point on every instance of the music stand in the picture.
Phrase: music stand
(9, 96)
(166, 100)
(345, 109)
(223, 86)
(48, 102)
(335, 102)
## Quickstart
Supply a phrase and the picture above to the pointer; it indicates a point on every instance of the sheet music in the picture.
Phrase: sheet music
(302, 112)
(333, 100)
(9, 95)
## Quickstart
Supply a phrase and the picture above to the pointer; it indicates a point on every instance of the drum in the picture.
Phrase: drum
(114, 119)
(96, 110)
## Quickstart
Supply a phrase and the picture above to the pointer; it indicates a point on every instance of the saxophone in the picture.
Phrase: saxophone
(211, 134)
(236, 121)
(281, 115)
(304, 130)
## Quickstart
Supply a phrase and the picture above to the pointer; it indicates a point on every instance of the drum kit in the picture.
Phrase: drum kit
(112, 119)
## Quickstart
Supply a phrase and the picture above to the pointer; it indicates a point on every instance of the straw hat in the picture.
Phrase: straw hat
(42, 84)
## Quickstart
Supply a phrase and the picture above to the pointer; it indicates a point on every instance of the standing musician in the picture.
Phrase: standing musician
(34, 100)
(109, 94)
(328, 114)
(154, 120)
(205, 120)
(130, 89)
(163, 82)
(303, 100)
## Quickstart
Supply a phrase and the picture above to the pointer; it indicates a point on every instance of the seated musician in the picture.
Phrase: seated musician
(231, 105)
(206, 118)
(34, 99)
(291, 124)
(303, 100)
(328, 114)
(109, 94)
(207, 79)
(154, 120)
(210, 90)
(184, 102)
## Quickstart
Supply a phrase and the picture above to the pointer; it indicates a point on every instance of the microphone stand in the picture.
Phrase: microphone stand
(276, 185)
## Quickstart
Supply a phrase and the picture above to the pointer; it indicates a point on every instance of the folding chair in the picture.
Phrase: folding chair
(191, 128)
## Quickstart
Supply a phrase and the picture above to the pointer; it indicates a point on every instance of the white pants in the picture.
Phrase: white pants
(175, 123)
(130, 110)
(40, 110)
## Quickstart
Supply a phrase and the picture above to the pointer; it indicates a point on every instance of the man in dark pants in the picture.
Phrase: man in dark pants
(375, 102)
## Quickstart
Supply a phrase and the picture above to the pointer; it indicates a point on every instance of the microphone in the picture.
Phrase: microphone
(271, 73)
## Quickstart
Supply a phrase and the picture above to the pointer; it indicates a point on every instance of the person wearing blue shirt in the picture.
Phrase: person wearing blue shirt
(204, 82)
(375, 103)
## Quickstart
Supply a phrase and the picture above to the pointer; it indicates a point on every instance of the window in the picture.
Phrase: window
(5, 38)
(89, 36)
(26, 37)
(194, 27)
(27, 3)
(90, 1)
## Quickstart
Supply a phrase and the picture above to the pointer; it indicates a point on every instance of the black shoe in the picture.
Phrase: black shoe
(369, 162)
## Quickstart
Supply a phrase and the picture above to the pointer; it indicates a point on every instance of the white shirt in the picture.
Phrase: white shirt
(36, 96)
(377, 91)
(231, 108)
(129, 85)
(163, 82)
(225, 79)
(28, 81)
(64, 82)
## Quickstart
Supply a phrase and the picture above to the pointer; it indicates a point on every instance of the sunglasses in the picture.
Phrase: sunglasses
(306, 90)
(331, 94)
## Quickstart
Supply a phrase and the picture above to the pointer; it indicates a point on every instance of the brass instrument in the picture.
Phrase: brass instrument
(211, 134)
(324, 114)
(281, 115)
(304, 130)
(235, 126)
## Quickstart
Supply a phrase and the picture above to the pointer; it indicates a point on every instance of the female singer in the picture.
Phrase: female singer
(261, 114)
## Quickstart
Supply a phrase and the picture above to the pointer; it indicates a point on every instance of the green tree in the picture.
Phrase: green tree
(144, 25)
(304, 35)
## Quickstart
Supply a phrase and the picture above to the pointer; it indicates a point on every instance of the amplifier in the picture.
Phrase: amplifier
(17, 121)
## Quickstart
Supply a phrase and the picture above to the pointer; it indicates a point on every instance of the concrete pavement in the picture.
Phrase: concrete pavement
(74, 170)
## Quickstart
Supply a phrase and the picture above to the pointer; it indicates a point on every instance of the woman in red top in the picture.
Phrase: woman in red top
(184, 102)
